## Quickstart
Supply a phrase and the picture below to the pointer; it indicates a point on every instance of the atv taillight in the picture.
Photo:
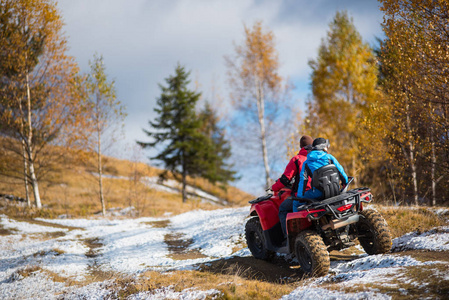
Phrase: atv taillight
(315, 215)
(344, 207)
(366, 197)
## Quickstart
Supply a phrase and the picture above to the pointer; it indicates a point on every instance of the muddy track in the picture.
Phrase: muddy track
(177, 244)
(282, 271)
(278, 270)
(94, 268)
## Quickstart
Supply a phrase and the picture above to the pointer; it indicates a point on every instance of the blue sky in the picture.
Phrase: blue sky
(143, 40)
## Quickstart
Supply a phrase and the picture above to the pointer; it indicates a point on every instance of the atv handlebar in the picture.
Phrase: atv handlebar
(345, 189)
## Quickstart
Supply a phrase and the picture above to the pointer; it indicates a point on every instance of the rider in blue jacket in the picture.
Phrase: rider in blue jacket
(316, 159)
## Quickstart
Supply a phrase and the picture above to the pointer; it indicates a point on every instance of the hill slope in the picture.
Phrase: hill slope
(72, 189)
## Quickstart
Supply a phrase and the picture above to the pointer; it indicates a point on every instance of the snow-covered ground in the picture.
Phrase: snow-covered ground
(133, 246)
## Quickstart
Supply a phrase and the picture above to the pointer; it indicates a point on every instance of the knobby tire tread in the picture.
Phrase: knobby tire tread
(314, 244)
(382, 235)
(253, 225)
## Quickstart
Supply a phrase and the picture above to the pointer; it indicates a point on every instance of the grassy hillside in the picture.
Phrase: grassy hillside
(72, 188)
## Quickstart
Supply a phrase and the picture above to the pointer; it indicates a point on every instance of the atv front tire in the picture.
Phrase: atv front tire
(312, 254)
(374, 234)
(256, 241)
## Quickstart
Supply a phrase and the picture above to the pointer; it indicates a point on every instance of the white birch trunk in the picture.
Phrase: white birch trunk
(100, 167)
(432, 170)
(24, 156)
(261, 117)
(25, 173)
(34, 182)
(412, 156)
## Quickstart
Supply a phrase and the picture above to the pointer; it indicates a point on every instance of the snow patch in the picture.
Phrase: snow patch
(305, 293)
(34, 286)
(169, 293)
(436, 239)
(133, 246)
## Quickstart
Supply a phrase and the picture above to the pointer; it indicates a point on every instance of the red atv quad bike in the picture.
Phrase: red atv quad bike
(319, 226)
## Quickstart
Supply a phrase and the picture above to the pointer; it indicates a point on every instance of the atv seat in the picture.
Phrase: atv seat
(327, 180)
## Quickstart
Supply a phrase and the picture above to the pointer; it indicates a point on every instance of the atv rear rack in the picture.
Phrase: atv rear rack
(317, 204)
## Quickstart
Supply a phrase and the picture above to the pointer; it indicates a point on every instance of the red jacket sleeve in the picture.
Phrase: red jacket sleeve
(289, 173)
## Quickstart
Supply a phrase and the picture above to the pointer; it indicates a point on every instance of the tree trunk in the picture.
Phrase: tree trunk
(411, 157)
(24, 155)
(25, 173)
(184, 181)
(434, 163)
(100, 169)
(261, 117)
(34, 183)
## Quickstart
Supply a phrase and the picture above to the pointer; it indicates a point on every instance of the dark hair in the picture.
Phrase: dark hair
(305, 140)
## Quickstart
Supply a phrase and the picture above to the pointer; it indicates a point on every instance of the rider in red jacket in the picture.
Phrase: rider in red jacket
(290, 178)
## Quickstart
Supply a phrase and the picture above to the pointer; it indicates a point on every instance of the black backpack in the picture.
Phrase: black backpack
(327, 180)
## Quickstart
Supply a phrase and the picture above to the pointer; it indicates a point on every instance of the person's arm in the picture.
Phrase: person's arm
(340, 169)
(286, 177)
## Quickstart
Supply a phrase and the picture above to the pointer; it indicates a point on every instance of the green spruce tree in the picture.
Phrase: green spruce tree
(187, 151)
(219, 170)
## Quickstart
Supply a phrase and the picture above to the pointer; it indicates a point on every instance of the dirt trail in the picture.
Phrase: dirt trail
(276, 271)
(280, 270)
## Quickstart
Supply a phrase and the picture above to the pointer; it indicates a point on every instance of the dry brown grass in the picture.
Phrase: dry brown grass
(402, 220)
(232, 286)
(72, 187)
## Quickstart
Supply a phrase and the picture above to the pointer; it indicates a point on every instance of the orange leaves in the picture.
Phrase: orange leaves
(256, 63)
(344, 89)
(260, 56)
(256, 84)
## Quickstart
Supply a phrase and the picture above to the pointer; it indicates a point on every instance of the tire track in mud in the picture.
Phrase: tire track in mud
(93, 267)
(177, 244)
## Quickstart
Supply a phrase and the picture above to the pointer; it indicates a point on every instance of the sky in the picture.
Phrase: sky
(142, 41)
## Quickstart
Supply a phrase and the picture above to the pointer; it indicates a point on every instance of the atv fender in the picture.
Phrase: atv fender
(267, 212)
(297, 221)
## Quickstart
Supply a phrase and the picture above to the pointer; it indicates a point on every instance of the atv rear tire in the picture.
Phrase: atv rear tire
(256, 240)
(374, 234)
(312, 254)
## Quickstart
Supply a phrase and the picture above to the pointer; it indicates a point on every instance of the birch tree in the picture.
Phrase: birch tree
(107, 113)
(40, 94)
(416, 55)
(256, 87)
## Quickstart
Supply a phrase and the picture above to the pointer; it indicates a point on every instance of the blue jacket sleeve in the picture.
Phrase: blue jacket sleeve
(340, 169)
(300, 192)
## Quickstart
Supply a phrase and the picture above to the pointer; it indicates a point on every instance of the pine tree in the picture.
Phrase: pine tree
(186, 151)
(219, 170)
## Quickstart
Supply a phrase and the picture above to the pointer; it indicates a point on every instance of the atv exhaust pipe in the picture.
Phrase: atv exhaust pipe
(334, 224)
